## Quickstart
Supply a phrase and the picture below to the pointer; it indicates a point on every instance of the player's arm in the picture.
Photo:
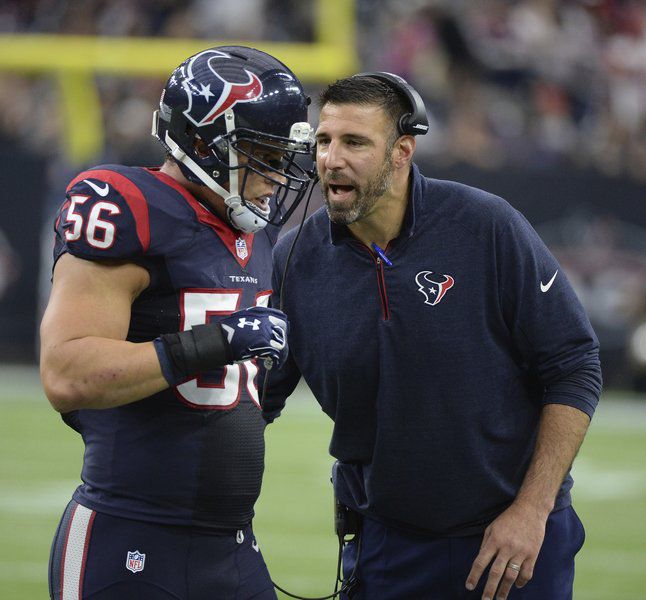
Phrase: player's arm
(85, 361)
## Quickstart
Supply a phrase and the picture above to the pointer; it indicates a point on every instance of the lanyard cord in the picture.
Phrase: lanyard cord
(346, 584)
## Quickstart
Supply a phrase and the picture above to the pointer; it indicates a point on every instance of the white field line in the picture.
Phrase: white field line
(50, 498)
(23, 571)
(613, 560)
(615, 411)
(586, 594)
(592, 482)
(620, 414)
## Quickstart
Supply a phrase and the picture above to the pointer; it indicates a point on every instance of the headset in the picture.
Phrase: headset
(414, 122)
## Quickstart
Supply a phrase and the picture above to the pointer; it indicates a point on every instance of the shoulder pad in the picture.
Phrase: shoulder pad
(105, 215)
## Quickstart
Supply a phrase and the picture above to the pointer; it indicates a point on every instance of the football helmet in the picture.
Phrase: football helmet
(234, 101)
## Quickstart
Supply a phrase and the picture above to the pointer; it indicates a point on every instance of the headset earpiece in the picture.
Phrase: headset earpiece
(414, 122)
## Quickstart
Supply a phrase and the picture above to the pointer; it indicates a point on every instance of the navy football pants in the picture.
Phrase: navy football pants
(98, 557)
(398, 566)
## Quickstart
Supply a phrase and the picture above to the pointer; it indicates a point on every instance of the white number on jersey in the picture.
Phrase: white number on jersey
(196, 307)
(95, 224)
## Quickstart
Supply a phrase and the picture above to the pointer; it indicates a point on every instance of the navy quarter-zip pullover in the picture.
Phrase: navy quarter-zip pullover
(435, 368)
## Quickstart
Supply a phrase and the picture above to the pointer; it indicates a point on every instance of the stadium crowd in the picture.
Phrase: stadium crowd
(508, 82)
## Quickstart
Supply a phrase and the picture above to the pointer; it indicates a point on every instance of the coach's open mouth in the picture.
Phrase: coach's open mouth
(340, 191)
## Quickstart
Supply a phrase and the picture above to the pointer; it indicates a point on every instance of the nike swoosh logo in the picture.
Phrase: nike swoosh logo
(102, 191)
(548, 285)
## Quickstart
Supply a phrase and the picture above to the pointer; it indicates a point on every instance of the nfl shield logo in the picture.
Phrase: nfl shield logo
(241, 248)
(135, 561)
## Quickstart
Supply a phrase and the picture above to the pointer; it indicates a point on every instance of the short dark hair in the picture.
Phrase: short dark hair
(367, 91)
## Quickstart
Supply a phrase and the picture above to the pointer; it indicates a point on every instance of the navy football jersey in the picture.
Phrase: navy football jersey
(192, 454)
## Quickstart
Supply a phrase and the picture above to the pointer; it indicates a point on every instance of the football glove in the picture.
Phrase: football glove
(257, 332)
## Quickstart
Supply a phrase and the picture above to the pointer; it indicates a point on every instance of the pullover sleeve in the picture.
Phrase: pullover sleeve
(282, 382)
(550, 328)
(580, 389)
(281, 385)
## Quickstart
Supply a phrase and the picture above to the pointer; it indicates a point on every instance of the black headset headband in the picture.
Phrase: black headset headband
(414, 122)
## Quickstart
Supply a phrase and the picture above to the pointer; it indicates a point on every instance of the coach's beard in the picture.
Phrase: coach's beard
(364, 199)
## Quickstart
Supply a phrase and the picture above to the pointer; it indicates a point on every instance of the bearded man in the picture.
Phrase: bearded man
(439, 333)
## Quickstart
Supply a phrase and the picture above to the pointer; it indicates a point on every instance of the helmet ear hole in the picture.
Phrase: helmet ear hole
(201, 147)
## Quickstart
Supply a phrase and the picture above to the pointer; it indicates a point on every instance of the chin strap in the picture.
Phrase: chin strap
(239, 215)
(243, 218)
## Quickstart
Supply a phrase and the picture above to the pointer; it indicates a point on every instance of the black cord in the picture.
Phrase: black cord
(298, 234)
(345, 583)
(268, 362)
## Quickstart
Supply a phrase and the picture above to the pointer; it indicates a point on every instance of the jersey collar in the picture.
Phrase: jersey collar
(230, 237)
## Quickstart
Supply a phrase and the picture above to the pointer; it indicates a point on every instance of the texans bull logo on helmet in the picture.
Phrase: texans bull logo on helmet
(205, 105)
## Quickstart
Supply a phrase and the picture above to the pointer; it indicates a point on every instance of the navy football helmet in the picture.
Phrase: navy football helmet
(238, 101)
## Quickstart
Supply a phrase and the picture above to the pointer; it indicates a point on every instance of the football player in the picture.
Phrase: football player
(158, 312)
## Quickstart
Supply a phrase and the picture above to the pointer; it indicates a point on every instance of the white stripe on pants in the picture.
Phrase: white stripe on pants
(78, 536)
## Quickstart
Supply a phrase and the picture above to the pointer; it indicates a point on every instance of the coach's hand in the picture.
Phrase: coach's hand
(510, 545)
(257, 332)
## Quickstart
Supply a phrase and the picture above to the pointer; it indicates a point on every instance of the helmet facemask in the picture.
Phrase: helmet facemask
(277, 159)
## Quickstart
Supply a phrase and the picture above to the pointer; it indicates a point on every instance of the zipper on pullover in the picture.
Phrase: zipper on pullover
(381, 282)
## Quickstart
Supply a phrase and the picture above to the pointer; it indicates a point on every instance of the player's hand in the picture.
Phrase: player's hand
(510, 545)
(257, 332)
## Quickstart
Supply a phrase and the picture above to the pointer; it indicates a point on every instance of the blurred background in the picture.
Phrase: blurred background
(540, 101)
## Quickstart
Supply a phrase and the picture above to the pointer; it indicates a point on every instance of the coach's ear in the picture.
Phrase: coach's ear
(403, 151)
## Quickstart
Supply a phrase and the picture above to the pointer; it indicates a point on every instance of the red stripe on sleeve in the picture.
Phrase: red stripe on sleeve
(131, 194)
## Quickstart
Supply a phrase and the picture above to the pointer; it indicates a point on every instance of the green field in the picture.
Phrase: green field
(40, 463)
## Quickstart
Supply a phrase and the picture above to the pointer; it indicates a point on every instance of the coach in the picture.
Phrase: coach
(444, 340)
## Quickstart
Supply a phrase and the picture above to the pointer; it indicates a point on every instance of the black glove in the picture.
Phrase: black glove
(257, 333)
(249, 333)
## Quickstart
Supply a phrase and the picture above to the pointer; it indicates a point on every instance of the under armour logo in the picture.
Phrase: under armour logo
(255, 324)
